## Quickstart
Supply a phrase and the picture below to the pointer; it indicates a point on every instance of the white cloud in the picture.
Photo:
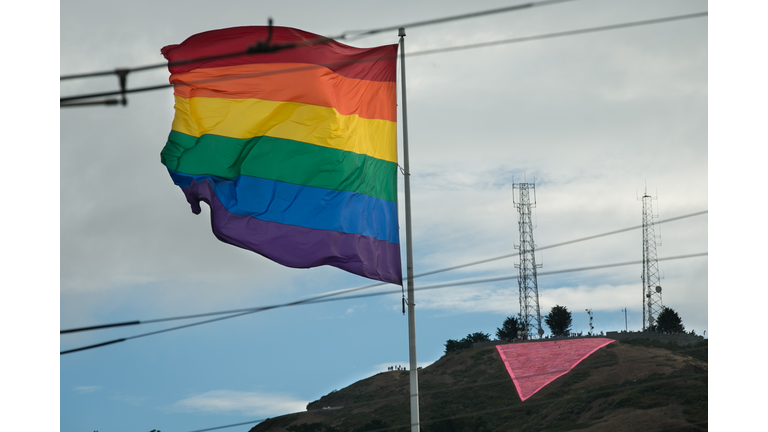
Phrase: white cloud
(86, 389)
(469, 299)
(244, 403)
(601, 297)
(354, 309)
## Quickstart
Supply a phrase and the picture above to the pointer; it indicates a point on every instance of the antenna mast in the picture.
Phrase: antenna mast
(530, 315)
(651, 287)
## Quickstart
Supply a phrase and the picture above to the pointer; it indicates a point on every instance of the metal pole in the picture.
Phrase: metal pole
(414, 377)
(625, 319)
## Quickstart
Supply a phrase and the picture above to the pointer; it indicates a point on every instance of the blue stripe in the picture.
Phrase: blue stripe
(304, 206)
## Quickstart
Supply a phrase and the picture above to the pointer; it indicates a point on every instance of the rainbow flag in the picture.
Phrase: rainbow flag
(294, 151)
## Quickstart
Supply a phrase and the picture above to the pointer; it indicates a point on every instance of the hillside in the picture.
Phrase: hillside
(635, 385)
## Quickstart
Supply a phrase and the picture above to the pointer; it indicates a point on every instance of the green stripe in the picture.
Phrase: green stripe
(282, 160)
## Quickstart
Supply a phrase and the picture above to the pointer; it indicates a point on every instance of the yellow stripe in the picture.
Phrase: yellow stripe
(322, 126)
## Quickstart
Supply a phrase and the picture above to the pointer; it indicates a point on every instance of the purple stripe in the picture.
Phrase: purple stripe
(299, 247)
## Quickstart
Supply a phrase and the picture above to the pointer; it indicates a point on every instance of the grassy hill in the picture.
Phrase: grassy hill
(636, 385)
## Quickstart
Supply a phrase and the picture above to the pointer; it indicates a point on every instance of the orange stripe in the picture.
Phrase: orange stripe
(291, 82)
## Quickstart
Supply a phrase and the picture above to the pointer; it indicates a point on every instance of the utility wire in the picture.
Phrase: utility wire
(355, 34)
(380, 293)
(155, 332)
(560, 34)
(346, 291)
(246, 312)
(67, 101)
(236, 311)
(360, 33)
(261, 47)
(229, 426)
(501, 278)
(592, 237)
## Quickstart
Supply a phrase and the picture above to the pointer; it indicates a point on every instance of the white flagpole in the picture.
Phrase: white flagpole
(414, 377)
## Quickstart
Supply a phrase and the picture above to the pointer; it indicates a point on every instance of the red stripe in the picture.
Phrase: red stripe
(372, 64)
(308, 84)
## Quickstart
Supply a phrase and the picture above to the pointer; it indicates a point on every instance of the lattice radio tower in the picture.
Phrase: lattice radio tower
(530, 315)
(651, 287)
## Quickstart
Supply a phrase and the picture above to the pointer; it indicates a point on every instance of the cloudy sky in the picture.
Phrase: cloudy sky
(593, 119)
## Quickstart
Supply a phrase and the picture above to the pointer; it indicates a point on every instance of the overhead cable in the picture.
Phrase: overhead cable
(252, 309)
(360, 33)
(379, 293)
(68, 101)
(266, 46)
(230, 425)
(349, 290)
(501, 278)
(559, 34)
(592, 237)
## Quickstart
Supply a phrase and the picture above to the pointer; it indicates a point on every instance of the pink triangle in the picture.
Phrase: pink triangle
(532, 365)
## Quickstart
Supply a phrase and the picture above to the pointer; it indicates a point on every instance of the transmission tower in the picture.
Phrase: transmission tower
(530, 315)
(651, 287)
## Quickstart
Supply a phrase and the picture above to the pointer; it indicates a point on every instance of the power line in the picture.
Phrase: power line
(236, 311)
(561, 34)
(67, 101)
(265, 46)
(260, 47)
(458, 17)
(233, 315)
(229, 426)
(349, 290)
(504, 278)
(155, 332)
(500, 278)
(380, 293)
(592, 237)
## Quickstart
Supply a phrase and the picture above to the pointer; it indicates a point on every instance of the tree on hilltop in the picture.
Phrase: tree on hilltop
(559, 320)
(478, 337)
(452, 345)
(508, 330)
(668, 322)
